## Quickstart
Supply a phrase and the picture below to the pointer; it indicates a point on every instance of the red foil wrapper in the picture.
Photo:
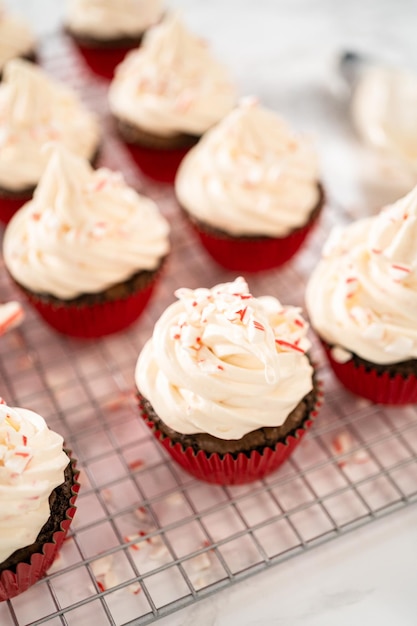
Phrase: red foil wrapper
(252, 254)
(27, 574)
(103, 61)
(9, 206)
(370, 384)
(233, 469)
(159, 164)
(95, 320)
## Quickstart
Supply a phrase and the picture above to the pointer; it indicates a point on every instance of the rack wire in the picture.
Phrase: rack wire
(148, 538)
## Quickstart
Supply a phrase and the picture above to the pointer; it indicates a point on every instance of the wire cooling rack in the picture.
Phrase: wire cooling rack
(147, 538)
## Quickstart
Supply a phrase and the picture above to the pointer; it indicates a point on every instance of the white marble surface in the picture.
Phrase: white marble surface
(367, 577)
(285, 52)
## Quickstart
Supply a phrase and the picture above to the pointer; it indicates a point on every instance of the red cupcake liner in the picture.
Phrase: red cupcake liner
(381, 388)
(9, 206)
(89, 321)
(103, 61)
(229, 469)
(159, 164)
(27, 574)
(252, 254)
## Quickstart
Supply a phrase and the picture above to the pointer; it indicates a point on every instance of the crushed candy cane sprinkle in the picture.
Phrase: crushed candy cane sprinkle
(15, 454)
(11, 315)
(259, 320)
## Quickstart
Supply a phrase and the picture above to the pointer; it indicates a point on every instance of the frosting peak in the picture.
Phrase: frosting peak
(35, 110)
(16, 37)
(395, 232)
(365, 287)
(215, 352)
(250, 175)
(83, 231)
(29, 93)
(171, 84)
(32, 464)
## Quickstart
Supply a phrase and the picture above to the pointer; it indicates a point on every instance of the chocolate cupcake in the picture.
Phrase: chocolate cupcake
(250, 190)
(225, 382)
(35, 110)
(79, 250)
(105, 30)
(38, 490)
(165, 95)
(362, 301)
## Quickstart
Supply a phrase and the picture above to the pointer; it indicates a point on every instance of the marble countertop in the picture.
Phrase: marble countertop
(285, 52)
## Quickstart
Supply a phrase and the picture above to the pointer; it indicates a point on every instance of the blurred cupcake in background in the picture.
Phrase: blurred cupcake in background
(16, 38)
(34, 110)
(38, 489)
(166, 94)
(105, 30)
(88, 250)
(362, 302)
(226, 383)
(250, 189)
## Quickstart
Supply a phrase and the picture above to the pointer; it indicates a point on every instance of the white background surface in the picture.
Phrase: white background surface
(285, 52)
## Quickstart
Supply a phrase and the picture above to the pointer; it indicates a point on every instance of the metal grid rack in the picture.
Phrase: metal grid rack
(147, 538)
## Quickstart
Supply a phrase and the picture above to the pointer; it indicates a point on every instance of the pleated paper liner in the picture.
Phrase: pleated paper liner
(369, 383)
(233, 469)
(158, 164)
(26, 574)
(102, 58)
(257, 253)
(87, 320)
(9, 205)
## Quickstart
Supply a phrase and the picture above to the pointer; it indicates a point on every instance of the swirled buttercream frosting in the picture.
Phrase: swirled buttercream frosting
(171, 84)
(362, 297)
(16, 37)
(250, 175)
(84, 231)
(223, 362)
(112, 19)
(32, 464)
(35, 110)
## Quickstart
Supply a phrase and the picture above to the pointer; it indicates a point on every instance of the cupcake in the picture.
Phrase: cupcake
(16, 38)
(165, 95)
(105, 30)
(87, 250)
(362, 302)
(250, 190)
(225, 382)
(35, 110)
(38, 488)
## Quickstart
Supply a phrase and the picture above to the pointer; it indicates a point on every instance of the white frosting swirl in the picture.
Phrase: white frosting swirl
(225, 363)
(250, 175)
(34, 110)
(383, 111)
(171, 84)
(32, 464)
(363, 294)
(83, 231)
(16, 37)
(112, 19)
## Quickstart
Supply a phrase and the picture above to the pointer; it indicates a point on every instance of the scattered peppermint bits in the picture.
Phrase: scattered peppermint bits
(11, 315)
(399, 272)
(99, 230)
(15, 453)
(136, 464)
(218, 325)
(343, 445)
